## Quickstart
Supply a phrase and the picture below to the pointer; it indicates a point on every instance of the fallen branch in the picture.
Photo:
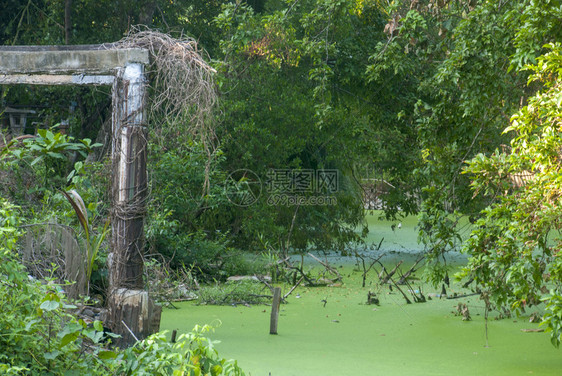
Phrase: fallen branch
(327, 266)
(417, 299)
(301, 271)
(408, 301)
(272, 289)
(388, 276)
(413, 269)
(292, 289)
(462, 296)
(467, 283)
(262, 280)
(366, 269)
(261, 296)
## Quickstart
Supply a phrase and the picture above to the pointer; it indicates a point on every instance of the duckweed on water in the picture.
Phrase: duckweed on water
(346, 336)
(331, 331)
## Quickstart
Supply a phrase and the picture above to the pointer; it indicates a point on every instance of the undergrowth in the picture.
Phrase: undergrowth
(243, 292)
(38, 335)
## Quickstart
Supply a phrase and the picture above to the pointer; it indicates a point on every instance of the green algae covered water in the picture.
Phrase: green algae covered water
(326, 331)
(348, 337)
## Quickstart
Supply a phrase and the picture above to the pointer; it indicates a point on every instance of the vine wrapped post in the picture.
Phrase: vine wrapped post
(133, 314)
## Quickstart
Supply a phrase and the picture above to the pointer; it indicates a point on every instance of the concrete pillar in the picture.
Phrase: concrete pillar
(129, 205)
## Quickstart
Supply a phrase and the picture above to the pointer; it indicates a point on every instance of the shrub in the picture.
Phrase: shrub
(210, 259)
(234, 292)
(192, 355)
(37, 335)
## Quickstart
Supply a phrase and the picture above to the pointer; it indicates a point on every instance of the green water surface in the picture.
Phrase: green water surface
(348, 337)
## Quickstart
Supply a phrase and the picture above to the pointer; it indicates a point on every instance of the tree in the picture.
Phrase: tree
(514, 248)
(295, 97)
(457, 65)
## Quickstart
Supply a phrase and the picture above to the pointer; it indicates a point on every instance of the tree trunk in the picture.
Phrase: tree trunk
(135, 313)
(67, 21)
(146, 13)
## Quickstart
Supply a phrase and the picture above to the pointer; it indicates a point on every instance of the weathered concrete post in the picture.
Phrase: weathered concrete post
(129, 177)
(132, 312)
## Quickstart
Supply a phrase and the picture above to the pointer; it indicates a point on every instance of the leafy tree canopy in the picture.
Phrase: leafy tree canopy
(514, 248)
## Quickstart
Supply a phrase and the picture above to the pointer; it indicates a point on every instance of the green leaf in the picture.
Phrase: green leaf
(36, 160)
(98, 326)
(94, 335)
(56, 155)
(216, 370)
(17, 153)
(106, 354)
(49, 305)
(31, 323)
(72, 372)
(52, 355)
(71, 327)
(50, 135)
(70, 337)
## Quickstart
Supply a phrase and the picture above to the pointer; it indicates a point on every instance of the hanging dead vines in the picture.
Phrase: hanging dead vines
(182, 90)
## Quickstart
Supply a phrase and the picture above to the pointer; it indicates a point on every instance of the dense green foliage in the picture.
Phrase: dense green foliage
(515, 247)
(40, 164)
(458, 65)
(38, 335)
(192, 355)
(283, 110)
(41, 337)
(453, 60)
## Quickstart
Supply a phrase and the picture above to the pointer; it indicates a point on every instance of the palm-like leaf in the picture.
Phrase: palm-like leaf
(78, 205)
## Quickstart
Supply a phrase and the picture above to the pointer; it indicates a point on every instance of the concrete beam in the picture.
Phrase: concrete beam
(56, 60)
(55, 79)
